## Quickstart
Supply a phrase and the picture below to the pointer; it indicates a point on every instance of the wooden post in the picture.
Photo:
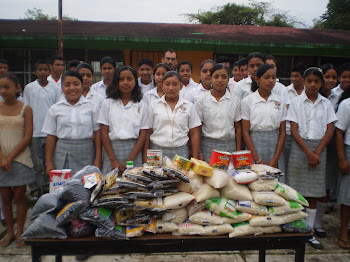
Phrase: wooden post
(60, 31)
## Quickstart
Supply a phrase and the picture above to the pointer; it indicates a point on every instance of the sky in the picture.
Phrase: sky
(154, 11)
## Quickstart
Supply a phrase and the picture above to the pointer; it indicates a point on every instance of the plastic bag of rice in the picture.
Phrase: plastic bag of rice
(222, 206)
(263, 185)
(272, 230)
(245, 229)
(188, 228)
(219, 179)
(241, 217)
(194, 207)
(176, 216)
(290, 194)
(217, 230)
(288, 208)
(165, 226)
(265, 221)
(299, 226)
(178, 200)
(206, 218)
(235, 191)
(252, 208)
(196, 181)
(205, 192)
(268, 198)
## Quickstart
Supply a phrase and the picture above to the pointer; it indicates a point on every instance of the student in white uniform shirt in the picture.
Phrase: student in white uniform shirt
(56, 68)
(205, 84)
(243, 67)
(145, 71)
(107, 66)
(171, 120)
(344, 79)
(87, 73)
(236, 76)
(184, 69)
(311, 118)
(124, 122)
(40, 95)
(244, 87)
(220, 113)
(263, 119)
(158, 73)
(70, 125)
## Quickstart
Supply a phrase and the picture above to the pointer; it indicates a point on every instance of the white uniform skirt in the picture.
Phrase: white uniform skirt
(122, 150)
(308, 182)
(209, 144)
(344, 190)
(170, 152)
(74, 154)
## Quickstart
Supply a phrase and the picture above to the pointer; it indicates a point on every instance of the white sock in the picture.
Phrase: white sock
(311, 215)
(321, 209)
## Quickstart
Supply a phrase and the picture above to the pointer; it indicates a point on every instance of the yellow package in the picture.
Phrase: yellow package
(152, 226)
(136, 231)
(201, 167)
(155, 204)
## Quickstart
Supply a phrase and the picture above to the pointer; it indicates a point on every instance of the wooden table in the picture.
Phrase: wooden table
(160, 243)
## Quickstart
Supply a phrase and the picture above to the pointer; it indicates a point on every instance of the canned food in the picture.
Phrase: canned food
(220, 159)
(242, 159)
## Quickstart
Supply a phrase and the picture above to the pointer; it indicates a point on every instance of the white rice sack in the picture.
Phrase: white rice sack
(290, 194)
(245, 229)
(189, 228)
(265, 221)
(206, 218)
(272, 230)
(219, 179)
(165, 226)
(206, 192)
(288, 208)
(217, 230)
(222, 206)
(235, 191)
(263, 185)
(176, 216)
(268, 198)
(241, 217)
(252, 208)
(179, 200)
(245, 177)
(196, 181)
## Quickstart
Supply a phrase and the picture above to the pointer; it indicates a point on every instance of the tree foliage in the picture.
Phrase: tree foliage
(256, 13)
(337, 16)
(37, 14)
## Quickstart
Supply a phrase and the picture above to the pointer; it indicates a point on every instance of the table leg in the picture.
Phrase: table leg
(262, 255)
(300, 252)
(36, 256)
(58, 258)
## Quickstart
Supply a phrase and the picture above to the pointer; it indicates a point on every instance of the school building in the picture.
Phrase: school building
(23, 42)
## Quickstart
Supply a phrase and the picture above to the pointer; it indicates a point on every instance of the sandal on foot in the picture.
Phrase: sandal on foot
(20, 243)
(346, 246)
(315, 243)
(6, 241)
(320, 232)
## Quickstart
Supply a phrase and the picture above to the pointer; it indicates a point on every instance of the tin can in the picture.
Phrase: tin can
(154, 157)
(220, 159)
(242, 159)
(182, 163)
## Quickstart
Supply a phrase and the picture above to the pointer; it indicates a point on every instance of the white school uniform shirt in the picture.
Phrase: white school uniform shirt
(218, 117)
(170, 128)
(125, 122)
(145, 88)
(187, 89)
(195, 93)
(58, 83)
(263, 115)
(71, 122)
(231, 84)
(96, 98)
(312, 118)
(292, 93)
(335, 95)
(343, 122)
(100, 88)
(150, 96)
(40, 99)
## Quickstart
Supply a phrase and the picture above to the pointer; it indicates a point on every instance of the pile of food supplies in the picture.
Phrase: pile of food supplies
(178, 196)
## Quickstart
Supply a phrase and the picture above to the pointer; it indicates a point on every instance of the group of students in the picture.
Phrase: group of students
(66, 121)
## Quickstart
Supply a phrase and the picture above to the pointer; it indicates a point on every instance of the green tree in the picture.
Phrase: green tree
(37, 14)
(256, 13)
(337, 16)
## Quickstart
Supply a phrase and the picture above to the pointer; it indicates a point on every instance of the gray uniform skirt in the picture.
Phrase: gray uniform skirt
(122, 150)
(170, 152)
(19, 175)
(308, 182)
(344, 190)
(209, 144)
(332, 171)
(74, 154)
